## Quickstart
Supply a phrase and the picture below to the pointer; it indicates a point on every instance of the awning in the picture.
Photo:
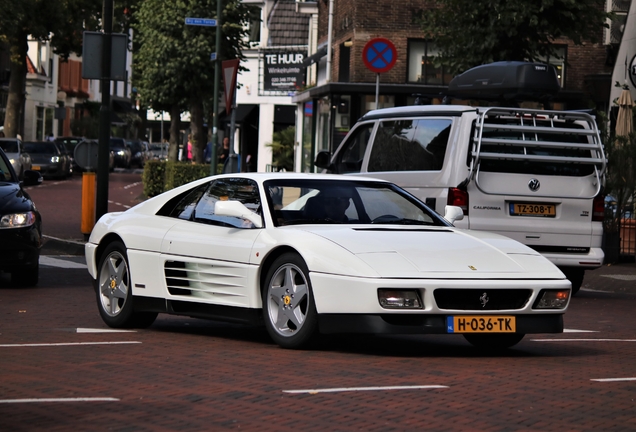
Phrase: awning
(285, 114)
(122, 105)
(315, 57)
(242, 111)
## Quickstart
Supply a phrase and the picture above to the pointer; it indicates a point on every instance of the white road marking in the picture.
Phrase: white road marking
(613, 379)
(352, 389)
(84, 399)
(583, 340)
(579, 331)
(621, 277)
(67, 344)
(99, 330)
(119, 204)
(49, 261)
(132, 185)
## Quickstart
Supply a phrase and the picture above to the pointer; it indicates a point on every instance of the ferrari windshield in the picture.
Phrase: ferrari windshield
(294, 201)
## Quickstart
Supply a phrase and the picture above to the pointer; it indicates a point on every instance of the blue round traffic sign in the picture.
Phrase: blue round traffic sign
(379, 55)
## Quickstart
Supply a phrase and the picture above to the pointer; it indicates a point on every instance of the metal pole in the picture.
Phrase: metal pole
(101, 202)
(329, 40)
(217, 79)
(377, 90)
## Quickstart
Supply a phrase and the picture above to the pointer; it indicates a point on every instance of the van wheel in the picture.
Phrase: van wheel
(575, 276)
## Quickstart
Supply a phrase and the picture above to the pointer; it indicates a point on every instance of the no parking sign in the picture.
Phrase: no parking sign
(379, 55)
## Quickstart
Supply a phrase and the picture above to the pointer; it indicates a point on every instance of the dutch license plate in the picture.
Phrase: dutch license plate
(35, 168)
(481, 324)
(534, 209)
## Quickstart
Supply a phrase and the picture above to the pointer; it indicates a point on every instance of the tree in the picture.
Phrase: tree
(173, 63)
(61, 21)
(470, 33)
(283, 148)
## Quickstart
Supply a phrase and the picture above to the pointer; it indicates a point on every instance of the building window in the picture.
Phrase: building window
(421, 68)
(48, 121)
(255, 27)
(558, 60)
(39, 124)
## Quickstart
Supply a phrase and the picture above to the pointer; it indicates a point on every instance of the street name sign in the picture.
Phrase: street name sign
(205, 22)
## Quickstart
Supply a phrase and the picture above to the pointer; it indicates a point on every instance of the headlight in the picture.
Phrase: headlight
(12, 161)
(55, 159)
(552, 299)
(399, 299)
(121, 152)
(17, 220)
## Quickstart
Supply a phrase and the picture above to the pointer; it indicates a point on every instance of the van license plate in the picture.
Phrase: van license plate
(542, 210)
(481, 324)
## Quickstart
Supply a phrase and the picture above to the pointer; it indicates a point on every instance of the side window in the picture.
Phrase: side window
(183, 207)
(350, 157)
(228, 189)
(410, 145)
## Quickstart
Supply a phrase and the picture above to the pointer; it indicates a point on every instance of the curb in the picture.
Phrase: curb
(58, 246)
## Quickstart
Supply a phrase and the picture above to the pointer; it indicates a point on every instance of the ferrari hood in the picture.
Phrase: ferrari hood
(439, 252)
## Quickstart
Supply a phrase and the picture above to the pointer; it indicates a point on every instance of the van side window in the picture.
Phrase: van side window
(352, 154)
(410, 145)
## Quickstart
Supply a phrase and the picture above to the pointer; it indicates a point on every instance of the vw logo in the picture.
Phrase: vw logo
(534, 185)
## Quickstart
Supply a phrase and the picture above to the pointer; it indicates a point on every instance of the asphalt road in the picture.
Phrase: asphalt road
(62, 369)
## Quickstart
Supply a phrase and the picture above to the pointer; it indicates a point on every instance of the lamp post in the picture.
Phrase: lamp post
(217, 79)
(101, 201)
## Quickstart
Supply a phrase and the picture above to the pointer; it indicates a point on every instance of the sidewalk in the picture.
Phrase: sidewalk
(620, 277)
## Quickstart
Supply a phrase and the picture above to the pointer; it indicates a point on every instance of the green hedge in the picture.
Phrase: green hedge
(161, 176)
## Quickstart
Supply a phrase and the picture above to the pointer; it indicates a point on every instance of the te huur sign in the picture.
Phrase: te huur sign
(92, 56)
(284, 71)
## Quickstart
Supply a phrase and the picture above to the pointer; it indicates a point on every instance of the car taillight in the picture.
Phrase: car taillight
(598, 209)
(459, 198)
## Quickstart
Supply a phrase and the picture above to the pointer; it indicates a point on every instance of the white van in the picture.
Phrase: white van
(532, 175)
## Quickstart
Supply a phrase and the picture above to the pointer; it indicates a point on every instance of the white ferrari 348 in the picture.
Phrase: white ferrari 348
(310, 253)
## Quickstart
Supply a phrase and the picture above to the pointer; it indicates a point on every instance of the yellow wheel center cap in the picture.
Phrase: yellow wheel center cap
(287, 299)
(113, 284)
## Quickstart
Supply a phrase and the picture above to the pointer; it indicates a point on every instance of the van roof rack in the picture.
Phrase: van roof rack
(525, 135)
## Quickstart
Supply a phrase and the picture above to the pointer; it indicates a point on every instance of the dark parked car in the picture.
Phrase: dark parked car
(140, 152)
(50, 159)
(111, 155)
(159, 151)
(69, 144)
(20, 225)
(123, 155)
(19, 159)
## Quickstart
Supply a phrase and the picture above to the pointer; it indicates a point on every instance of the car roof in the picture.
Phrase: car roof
(264, 176)
(418, 110)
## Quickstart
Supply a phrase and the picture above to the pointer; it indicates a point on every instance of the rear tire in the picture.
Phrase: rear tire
(575, 276)
(494, 341)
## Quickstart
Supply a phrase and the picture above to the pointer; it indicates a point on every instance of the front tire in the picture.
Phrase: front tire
(114, 293)
(493, 341)
(289, 310)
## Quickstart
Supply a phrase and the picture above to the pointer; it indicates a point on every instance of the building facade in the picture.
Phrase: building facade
(278, 46)
(344, 89)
